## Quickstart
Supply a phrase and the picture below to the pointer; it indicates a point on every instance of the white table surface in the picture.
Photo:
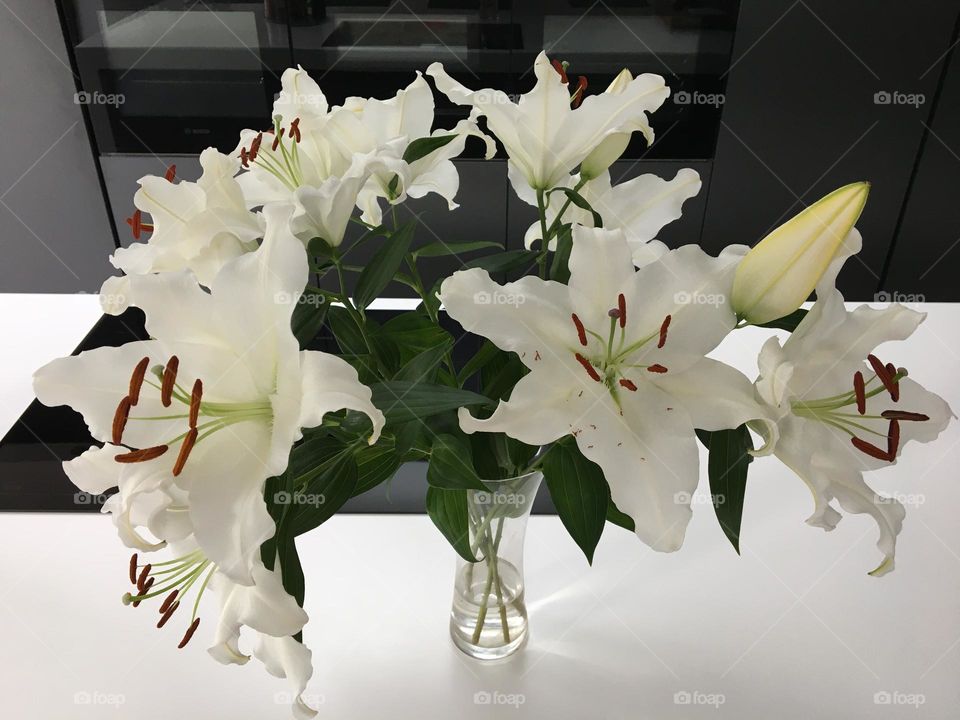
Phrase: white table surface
(794, 628)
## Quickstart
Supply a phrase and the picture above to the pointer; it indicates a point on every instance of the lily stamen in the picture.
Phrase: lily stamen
(895, 392)
(870, 449)
(581, 330)
(588, 366)
(628, 384)
(170, 174)
(663, 331)
(578, 93)
(120, 420)
(133, 569)
(186, 571)
(136, 456)
(188, 442)
(561, 70)
(885, 376)
(904, 415)
(893, 439)
(622, 307)
(656, 368)
(189, 634)
(169, 378)
(860, 391)
(195, 397)
(168, 614)
(169, 600)
(142, 578)
(136, 380)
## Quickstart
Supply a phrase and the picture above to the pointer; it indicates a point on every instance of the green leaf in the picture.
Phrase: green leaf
(560, 265)
(346, 332)
(421, 147)
(327, 490)
(500, 376)
(578, 200)
(503, 262)
(375, 464)
(451, 465)
(487, 352)
(311, 454)
(403, 400)
(423, 366)
(384, 264)
(308, 316)
(580, 493)
(619, 518)
(727, 467)
(351, 342)
(291, 572)
(440, 249)
(787, 322)
(448, 511)
(410, 333)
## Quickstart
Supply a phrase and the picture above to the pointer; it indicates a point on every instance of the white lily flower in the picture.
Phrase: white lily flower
(544, 137)
(641, 207)
(386, 128)
(617, 360)
(231, 394)
(263, 606)
(146, 497)
(194, 226)
(327, 161)
(780, 272)
(841, 411)
(368, 124)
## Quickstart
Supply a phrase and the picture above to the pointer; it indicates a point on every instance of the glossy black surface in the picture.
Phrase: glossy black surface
(31, 453)
(193, 74)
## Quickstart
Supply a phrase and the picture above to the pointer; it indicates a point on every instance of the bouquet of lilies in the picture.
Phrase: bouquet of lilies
(590, 366)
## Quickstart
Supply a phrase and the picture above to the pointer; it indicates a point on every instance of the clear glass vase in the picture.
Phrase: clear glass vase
(488, 619)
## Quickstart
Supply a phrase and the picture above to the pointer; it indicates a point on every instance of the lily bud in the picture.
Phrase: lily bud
(781, 271)
(603, 155)
(612, 146)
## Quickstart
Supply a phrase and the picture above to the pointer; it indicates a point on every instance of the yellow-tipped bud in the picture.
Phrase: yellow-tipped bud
(781, 271)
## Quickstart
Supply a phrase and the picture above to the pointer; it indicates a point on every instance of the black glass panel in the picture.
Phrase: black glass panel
(175, 76)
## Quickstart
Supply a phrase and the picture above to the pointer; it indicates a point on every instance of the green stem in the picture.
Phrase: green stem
(544, 234)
